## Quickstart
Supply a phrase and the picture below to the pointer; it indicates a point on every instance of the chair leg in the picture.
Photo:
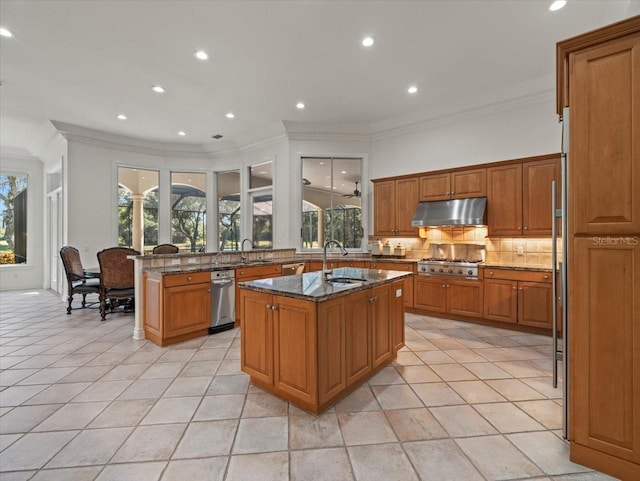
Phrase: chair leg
(84, 300)
(103, 308)
(70, 299)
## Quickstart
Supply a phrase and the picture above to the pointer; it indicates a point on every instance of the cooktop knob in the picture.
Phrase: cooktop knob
(450, 271)
(440, 270)
(459, 271)
(470, 272)
(432, 269)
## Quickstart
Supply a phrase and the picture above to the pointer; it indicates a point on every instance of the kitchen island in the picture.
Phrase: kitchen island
(311, 340)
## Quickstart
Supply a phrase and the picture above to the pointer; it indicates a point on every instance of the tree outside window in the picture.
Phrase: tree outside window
(13, 219)
(188, 210)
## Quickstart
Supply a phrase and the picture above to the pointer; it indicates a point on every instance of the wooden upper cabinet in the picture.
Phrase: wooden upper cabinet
(454, 185)
(504, 200)
(604, 157)
(537, 178)
(395, 202)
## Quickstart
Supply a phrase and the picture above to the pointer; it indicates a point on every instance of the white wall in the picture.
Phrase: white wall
(521, 131)
(29, 275)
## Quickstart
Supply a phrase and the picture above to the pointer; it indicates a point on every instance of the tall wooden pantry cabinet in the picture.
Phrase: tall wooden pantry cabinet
(599, 80)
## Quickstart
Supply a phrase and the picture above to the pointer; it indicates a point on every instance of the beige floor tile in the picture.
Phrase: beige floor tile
(381, 462)
(163, 370)
(229, 367)
(102, 391)
(259, 405)
(143, 357)
(207, 438)
(86, 374)
(441, 460)
(261, 435)
(145, 389)
(396, 397)
(420, 345)
(362, 399)
(415, 424)
(308, 431)
(208, 469)
(544, 385)
(172, 410)
(462, 421)
(387, 375)
(464, 355)
(476, 392)
(108, 359)
(7, 440)
(365, 428)
(447, 344)
(125, 372)
(90, 447)
(453, 372)
(174, 355)
(48, 375)
(58, 393)
(514, 389)
(132, 472)
(507, 418)
(202, 368)
(407, 358)
(546, 412)
(265, 467)
(72, 416)
(32, 451)
(497, 459)
(10, 377)
(547, 451)
(16, 395)
(209, 355)
(150, 443)
(437, 394)
(24, 418)
(229, 385)
(320, 465)
(435, 357)
(416, 374)
(486, 370)
(522, 369)
(88, 473)
(123, 413)
(220, 407)
(593, 476)
(188, 386)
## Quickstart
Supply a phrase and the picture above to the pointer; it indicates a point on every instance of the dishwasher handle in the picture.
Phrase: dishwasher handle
(222, 282)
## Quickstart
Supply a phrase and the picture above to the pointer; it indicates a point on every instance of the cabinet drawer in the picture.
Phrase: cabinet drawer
(186, 279)
(394, 266)
(515, 275)
(259, 271)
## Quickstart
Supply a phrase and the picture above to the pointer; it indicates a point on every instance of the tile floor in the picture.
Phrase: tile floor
(81, 400)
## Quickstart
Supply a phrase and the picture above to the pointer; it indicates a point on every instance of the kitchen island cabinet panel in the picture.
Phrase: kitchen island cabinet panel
(381, 322)
(332, 371)
(257, 338)
(358, 336)
(186, 309)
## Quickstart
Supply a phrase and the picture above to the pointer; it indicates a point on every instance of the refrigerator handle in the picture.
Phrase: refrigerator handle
(554, 291)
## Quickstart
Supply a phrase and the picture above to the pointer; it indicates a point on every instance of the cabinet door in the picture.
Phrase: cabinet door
(186, 309)
(331, 349)
(396, 313)
(430, 293)
(469, 183)
(501, 300)
(605, 138)
(358, 334)
(537, 177)
(465, 298)
(294, 349)
(407, 292)
(504, 200)
(604, 342)
(380, 325)
(384, 208)
(406, 205)
(435, 187)
(535, 304)
(257, 335)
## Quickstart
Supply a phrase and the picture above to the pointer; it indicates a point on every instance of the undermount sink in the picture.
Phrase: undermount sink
(345, 280)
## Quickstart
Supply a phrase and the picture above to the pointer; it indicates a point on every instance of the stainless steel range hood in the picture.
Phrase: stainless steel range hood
(450, 212)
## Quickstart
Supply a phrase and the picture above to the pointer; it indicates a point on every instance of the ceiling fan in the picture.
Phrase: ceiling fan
(356, 193)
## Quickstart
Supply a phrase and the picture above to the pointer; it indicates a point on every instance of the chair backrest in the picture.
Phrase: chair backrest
(116, 271)
(72, 264)
(166, 249)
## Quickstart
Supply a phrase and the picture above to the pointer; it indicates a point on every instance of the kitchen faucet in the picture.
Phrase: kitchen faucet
(326, 271)
(242, 256)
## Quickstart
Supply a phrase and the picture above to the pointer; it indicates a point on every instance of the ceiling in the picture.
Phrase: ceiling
(83, 62)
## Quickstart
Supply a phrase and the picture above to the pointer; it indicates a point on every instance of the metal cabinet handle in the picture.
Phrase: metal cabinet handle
(525, 227)
(443, 285)
(514, 288)
(189, 278)
(274, 308)
(269, 306)
(546, 277)
(490, 273)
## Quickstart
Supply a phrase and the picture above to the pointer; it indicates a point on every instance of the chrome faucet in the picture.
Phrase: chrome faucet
(242, 256)
(325, 271)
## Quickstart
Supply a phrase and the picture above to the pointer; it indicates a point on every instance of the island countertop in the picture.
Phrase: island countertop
(311, 287)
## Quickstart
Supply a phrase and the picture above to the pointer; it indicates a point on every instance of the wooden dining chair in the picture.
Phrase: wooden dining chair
(117, 285)
(78, 282)
(166, 249)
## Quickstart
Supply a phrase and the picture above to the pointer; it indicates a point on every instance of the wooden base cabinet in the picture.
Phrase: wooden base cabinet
(246, 274)
(408, 281)
(456, 296)
(313, 353)
(177, 307)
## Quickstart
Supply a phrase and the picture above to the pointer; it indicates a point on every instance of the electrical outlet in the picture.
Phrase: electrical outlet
(175, 262)
(520, 250)
(398, 292)
(192, 260)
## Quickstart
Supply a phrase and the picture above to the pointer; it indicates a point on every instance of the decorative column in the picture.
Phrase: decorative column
(137, 227)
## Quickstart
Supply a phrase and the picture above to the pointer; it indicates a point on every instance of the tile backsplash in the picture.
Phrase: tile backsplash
(519, 250)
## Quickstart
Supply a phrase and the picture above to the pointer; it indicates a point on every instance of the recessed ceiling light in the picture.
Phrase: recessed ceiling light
(413, 89)
(557, 5)
(5, 32)
(343, 171)
(182, 133)
(201, 55)
(121, 117)
(367, 41)
(159, 89)
(300, 105)
(229, 115)
(321, 163)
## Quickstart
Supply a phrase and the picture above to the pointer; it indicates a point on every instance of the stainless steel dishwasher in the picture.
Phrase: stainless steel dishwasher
(223, 303)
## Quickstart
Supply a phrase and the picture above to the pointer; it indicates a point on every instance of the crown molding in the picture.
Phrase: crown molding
(16, 153)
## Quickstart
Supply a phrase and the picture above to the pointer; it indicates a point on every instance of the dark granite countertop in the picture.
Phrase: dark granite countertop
(516, 267)
(311, 287)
